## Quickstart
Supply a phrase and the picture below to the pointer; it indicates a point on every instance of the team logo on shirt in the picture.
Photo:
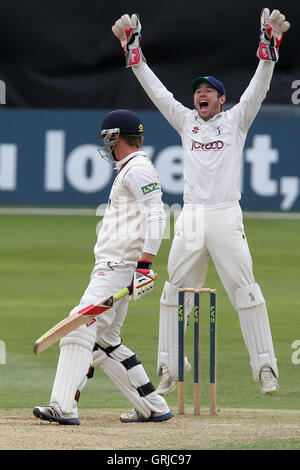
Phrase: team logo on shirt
(195, 130)
(218, 130)
(215, 145)
(150, 187)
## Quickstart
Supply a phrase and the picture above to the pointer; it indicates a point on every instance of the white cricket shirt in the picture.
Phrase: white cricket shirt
(213, 148)
(134, 219)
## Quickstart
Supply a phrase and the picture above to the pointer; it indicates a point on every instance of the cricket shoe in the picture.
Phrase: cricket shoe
(135, 417)
(268, 381)
(51, 413)
(167, 384)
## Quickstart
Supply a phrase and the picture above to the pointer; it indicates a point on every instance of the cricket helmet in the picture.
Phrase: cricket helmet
(118, 122)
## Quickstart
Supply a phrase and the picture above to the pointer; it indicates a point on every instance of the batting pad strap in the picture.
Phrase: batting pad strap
(131, 361)
(144, 390)
(108, 350)
(249, 296)
(120, 376)
(90, 373)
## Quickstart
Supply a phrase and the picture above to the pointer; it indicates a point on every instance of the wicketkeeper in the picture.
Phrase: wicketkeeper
(127, 243)
(211, 222)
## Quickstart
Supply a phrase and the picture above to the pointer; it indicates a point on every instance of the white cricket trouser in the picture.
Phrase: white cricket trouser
(103, 283)
(220, 234)
(216, 232)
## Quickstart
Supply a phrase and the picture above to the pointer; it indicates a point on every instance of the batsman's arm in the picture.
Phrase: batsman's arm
(144, 185)
(127, 29)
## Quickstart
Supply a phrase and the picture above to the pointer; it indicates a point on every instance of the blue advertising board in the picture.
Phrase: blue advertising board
(50, 158)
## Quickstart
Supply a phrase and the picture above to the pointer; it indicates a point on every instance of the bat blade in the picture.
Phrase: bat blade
(84, 316)
(70, 323)
(58, 331)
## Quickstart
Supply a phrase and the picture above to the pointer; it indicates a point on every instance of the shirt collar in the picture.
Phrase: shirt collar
(121, 163)
(214, 118)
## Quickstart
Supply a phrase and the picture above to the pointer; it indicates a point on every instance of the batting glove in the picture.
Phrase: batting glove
(273, 27)
(143, 280)
(128, 30)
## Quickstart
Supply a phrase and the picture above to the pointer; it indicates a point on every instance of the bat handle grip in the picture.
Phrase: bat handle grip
(122, 293)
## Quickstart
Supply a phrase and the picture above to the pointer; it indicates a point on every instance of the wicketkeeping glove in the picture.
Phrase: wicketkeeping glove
(128, 30)
(273, 28)
(143, 280)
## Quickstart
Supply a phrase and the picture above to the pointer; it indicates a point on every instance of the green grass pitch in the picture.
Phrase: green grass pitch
(45, 263)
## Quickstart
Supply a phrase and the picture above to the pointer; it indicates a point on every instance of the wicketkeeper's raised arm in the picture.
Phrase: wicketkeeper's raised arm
(128, 30)
(273, 26)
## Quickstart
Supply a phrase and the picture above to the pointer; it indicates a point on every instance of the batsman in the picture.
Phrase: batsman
(127, 243)
(211, 222)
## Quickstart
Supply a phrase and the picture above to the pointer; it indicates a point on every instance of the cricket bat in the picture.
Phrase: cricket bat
(75, 320)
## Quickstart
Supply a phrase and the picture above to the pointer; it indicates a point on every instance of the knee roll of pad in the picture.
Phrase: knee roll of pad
(82, 336)
(169, 295)
(249, 296)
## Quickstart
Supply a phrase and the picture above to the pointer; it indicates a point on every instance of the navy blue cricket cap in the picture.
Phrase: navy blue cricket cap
(212, 81)
(127, 121)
